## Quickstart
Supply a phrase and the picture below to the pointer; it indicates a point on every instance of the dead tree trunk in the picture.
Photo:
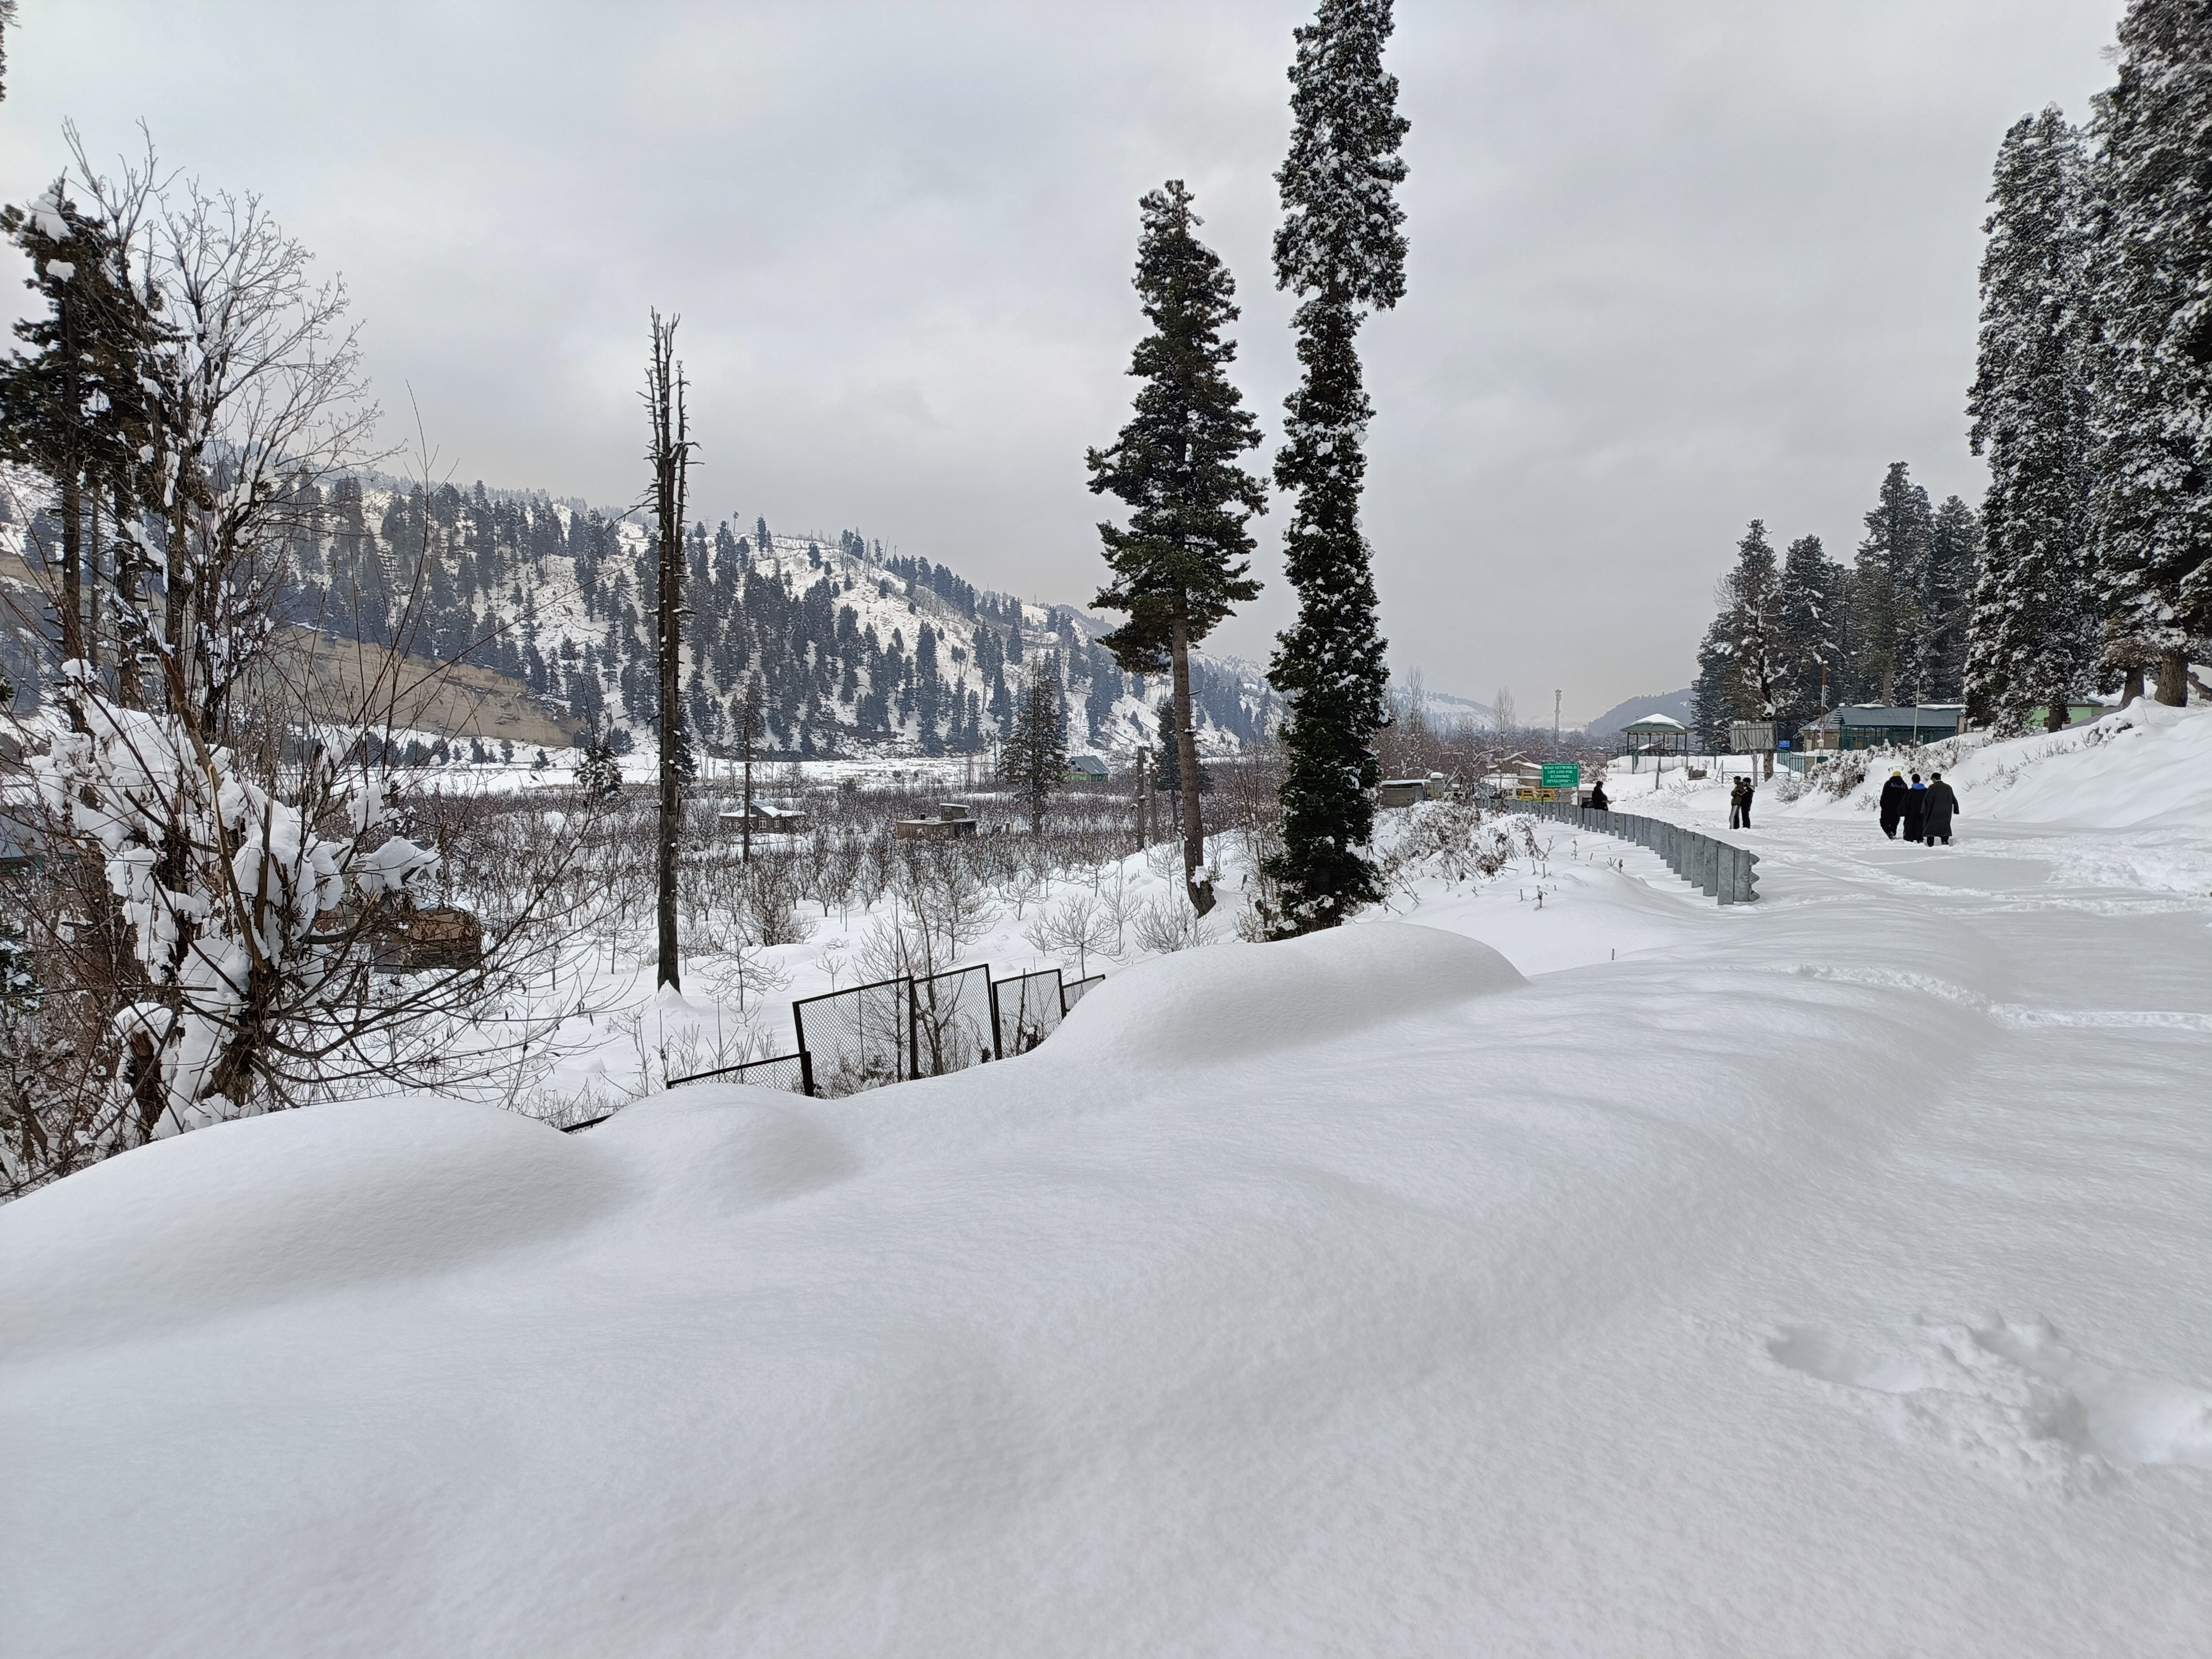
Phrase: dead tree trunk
(671, 456)
(1194, 829)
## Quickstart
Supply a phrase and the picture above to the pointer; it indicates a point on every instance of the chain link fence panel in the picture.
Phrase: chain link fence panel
(788, 1071)
(1025, 1010)
(952, 1028)
(857, 1039)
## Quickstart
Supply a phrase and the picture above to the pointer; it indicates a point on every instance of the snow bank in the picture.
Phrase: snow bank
(1827, 1278)
(249, 1214)
(1201, 1007)
(2147, 766)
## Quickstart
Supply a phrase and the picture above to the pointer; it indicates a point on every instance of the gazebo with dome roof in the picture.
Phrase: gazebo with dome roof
(1656, 735)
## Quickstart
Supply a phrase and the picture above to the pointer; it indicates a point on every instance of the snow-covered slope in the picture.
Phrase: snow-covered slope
(558, 597)
(2147, 765)
(1823, 1276)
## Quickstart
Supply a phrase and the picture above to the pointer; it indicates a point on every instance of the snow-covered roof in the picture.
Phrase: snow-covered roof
(1655, 723)
(1869, 713)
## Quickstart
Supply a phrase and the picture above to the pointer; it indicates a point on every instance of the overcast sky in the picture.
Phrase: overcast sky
(1674, 264)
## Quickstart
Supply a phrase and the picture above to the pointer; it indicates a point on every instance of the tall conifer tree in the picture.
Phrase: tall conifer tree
(1893, 563)
(1034, 757)
(1812, 604)
(2032, 629)
(1342, 250)
(1182, 562)
(2151, 219)
(1754, 629)
(1710, 707)
(1944, 601)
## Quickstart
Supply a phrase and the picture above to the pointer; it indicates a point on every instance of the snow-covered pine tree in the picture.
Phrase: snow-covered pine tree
(74, 409)
(1757, 656)
(1182, 563)
(1812, 604)
(1167, 765)
(2031, 626)
(1947, 585)
(1341, 249)
(1892, 565)
(1034, 757)
(1102, 692)
(1712, 706)
(2150, 222)
(599, 775)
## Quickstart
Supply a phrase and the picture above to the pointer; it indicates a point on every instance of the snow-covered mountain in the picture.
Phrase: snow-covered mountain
(1442, 707)
(851, 649)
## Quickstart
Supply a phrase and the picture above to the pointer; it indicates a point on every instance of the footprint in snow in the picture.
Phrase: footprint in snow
(2012, 1398)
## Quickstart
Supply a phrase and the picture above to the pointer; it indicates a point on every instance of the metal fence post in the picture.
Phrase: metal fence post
(1731, 874)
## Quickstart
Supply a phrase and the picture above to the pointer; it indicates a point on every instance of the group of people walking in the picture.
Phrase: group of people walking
(1923, 810)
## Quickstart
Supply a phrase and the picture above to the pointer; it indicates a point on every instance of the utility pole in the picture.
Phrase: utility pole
(1556, 695)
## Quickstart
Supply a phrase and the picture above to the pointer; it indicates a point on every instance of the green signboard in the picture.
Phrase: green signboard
(1562, 776)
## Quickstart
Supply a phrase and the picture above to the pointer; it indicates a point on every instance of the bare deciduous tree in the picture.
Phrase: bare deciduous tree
(670, 454)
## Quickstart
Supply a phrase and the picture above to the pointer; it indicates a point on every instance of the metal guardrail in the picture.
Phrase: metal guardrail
(1723, 870)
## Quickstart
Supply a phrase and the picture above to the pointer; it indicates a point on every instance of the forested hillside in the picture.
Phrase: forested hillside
(849, 649)
(845, 646)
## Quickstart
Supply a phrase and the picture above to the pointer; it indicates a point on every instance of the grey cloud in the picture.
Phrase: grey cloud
(1674, 265)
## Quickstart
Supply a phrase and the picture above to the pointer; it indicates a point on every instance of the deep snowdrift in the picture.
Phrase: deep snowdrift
(1825, 1276)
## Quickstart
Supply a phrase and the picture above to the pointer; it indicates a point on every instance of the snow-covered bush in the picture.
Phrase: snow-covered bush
(220, 884)
(1846, 773)
(1451, 841)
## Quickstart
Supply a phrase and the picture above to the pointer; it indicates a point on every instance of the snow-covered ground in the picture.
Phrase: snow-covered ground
(1586, 1268)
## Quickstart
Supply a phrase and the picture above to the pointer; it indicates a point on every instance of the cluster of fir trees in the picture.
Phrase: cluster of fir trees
(2093, 399)
(2089, 568)
(1799, 633)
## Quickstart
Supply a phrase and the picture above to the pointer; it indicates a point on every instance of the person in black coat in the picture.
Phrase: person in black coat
(1936, 810)
(1597, 802)
(1892, 804)
(1914, 807)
